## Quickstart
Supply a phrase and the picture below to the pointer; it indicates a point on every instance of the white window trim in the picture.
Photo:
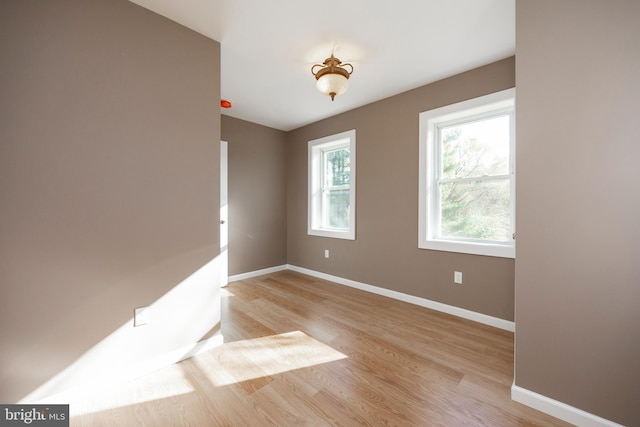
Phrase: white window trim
(428, 121)
(314, 178)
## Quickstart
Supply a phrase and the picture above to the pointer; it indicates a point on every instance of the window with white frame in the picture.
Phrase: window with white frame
(467, 176)
(332, 189)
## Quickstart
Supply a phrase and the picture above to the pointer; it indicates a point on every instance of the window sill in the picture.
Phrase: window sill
(486, 249)
(347, 234)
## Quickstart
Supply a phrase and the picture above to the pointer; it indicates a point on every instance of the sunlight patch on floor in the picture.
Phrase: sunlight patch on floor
(261, 357)
(231, 363)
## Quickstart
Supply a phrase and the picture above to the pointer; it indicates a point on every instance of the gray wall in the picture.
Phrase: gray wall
(257, 196)
(385, 252)
(109, 159)
(577, 266)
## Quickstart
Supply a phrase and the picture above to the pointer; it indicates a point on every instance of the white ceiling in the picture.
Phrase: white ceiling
(269, 46)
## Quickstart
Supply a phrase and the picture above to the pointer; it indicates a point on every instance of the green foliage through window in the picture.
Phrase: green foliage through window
(338, 167)
(337, 197)
(474, 184)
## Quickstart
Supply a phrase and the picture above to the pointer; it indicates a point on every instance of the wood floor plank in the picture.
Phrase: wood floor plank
(304, 351)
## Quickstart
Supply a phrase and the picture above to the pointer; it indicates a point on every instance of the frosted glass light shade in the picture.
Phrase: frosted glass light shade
(331, 83)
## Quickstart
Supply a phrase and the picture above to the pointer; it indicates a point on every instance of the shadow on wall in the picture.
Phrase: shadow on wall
(182, 322)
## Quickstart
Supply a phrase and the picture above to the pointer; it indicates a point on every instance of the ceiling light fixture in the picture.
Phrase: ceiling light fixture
(332, 78)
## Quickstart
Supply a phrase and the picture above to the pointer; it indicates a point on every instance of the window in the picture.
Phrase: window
(332, 189)
(467, 176)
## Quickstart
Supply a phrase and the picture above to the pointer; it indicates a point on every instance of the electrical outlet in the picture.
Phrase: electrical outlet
(140, 316)
(326, 253)
(457, 277)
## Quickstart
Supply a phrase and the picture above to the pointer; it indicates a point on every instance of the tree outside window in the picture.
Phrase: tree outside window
(467, 176)
(332, 186)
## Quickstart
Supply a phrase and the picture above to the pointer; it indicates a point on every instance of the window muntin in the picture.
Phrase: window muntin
(331, 186)
(467, 179)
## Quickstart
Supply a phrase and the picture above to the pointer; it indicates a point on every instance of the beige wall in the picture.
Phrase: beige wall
(578, 205)
(385, 252)
(257, 196)
(109, 133)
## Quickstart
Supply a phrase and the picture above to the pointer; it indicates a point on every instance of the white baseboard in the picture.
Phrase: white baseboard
(249, 275)
(174, 356)
(423, 302)
(558, 409)
(200, 347)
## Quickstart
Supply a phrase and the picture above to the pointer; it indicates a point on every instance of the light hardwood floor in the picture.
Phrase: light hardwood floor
(303, 351)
